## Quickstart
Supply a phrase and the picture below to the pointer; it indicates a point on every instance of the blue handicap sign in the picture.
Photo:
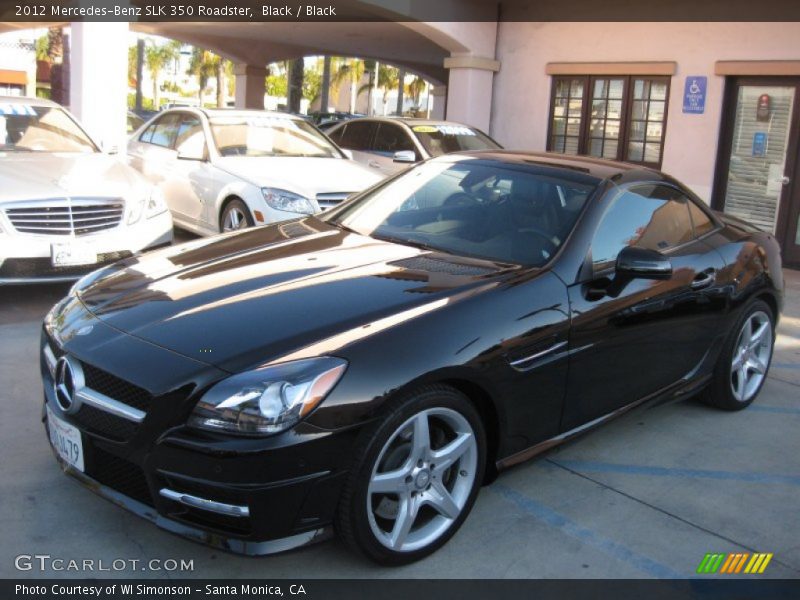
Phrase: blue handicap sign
(759, 144)
(694, 94)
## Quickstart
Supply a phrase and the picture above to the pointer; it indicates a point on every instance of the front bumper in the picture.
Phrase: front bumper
(25, 258)
(287, 484)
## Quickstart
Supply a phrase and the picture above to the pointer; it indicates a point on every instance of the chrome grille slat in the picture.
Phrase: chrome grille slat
(61, 216)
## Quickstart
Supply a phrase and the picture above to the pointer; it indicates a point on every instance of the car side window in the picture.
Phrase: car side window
(358, 135)
(649, 216)
(147, 134)
(336, 136)
(391, 138)
(190, 138)
(166, 129)
(701, 221)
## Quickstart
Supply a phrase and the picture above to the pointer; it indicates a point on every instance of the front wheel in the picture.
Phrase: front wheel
(744, 362)
(235, 216)
(416, 477)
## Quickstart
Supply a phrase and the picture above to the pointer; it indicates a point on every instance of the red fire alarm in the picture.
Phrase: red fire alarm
(763, 108)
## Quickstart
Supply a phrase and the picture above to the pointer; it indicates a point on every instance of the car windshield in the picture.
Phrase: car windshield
(447, 138)
(27, 128)
(503, 212)
(269, 135)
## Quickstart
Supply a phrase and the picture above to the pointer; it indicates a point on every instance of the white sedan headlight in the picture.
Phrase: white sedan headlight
(287, 201)
(267, 400)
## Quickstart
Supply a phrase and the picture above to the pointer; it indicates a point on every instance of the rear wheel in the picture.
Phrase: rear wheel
(744, 362)
(235, 216)
(416, 477)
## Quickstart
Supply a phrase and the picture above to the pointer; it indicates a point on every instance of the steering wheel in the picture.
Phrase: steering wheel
(460, 199)
(550, 240)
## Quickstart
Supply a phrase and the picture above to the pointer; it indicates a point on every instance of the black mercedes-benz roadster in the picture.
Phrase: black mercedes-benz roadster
(368, 369)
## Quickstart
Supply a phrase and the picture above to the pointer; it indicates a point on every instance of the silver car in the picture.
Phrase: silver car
(67, 208)
(390, 144)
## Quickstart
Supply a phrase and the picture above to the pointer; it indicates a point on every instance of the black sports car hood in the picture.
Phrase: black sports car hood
(239, 300)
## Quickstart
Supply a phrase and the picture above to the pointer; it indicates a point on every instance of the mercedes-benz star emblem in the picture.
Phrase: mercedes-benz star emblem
(68, 381)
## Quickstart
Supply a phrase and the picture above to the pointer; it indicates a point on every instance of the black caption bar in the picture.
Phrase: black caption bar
(391, 589)
(48, 11)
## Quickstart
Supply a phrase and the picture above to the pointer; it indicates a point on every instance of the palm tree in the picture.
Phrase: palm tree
(203, 66)
(55, 55)
(415, 88)
(350, 70)
(388, 78)
(158, 56)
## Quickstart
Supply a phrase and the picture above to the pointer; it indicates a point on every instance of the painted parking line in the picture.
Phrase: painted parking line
(749, 476)
(587, 536)
(781, 410)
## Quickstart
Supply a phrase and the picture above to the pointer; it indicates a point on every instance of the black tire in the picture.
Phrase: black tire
(240, 208)
(353, 518)
(719, 393)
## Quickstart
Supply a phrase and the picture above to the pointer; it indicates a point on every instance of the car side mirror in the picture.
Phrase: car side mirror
(404, 156)
(191, 154)
(347, 153)
(642, 263)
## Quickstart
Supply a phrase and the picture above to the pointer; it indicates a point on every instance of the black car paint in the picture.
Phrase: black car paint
(176, 321)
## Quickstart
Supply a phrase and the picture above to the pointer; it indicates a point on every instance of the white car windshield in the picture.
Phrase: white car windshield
(474, 207)
(27, 128)
(269, 135)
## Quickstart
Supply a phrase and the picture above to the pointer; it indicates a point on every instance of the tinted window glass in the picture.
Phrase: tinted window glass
(450, 137)
(391, 138)
(510, 215)
(27, 128)
(147, 135)
(702, 223)
(357, 136)
(336, 136)
(190, 139)
(654, 217)
(166, 129)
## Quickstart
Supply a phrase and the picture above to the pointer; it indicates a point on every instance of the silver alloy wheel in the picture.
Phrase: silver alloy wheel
(751, 356)
(440, 478)
(234, 219)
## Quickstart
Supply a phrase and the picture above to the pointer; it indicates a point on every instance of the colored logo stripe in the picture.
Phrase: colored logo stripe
(734, 563)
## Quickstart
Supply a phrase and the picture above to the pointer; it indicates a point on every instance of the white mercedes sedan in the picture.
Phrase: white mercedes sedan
(67, 208)
(222, 170)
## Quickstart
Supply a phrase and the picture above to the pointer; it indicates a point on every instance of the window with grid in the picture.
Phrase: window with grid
(613, 117)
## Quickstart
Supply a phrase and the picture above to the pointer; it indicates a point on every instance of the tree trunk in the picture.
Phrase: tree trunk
(220, 76)
(156, 96)
(139, 72)
(401, 79)
(55, 52)
(295, 92)
(324, 98)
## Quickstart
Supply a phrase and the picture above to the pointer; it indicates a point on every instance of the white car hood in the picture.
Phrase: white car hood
(302, 175)
(42, 176)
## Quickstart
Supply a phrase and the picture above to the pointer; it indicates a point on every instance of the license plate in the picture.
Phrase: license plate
(72, 254)
(66, 439)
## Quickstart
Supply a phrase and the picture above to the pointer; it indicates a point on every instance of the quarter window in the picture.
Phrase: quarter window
(618, 118)
(391, 138)
(163, 132)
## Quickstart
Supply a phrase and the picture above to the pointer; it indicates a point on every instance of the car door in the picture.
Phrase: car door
(153, 153)
(357, 137)
(390, 138)
(189, 179)
(637, 338)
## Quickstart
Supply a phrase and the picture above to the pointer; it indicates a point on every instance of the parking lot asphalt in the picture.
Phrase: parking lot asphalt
(645, 496)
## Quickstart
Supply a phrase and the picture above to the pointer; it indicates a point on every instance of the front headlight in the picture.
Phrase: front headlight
(267, 400)
(152, 206)
(287, 201)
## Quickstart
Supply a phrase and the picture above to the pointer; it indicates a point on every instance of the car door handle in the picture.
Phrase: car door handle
(704, 279)
(374, 164)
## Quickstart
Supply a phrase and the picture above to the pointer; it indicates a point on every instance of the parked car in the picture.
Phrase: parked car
(134, 121)
(391, 144)
(221, 170)
(65, 206)
(368, 369)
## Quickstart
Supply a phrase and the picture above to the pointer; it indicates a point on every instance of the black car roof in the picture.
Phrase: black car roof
(618, 172)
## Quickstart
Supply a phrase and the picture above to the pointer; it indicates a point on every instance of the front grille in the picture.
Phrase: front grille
(331, 199)
(116, 388)
(26, 268)
(76, 216)
(120, 475)
(98, 421)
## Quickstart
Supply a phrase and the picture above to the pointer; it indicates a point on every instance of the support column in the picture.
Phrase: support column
(98, 80)
(401, 88)
(250, 86)
(438, 102)
(469, 89)
(324, 101)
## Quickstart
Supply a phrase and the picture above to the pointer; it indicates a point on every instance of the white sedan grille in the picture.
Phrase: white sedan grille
(76, 216)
